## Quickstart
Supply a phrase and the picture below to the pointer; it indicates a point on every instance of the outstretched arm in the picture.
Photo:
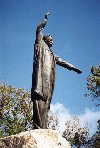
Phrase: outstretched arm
(39, 34)
(67, 65)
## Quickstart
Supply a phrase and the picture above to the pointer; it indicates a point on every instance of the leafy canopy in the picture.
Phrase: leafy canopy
(15, 110)
(93, 84)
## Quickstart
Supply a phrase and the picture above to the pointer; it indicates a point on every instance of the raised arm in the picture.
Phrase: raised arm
(67, 65)
(39, 35)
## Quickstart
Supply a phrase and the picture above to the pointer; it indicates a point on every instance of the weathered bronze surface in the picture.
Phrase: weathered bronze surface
(43, 76)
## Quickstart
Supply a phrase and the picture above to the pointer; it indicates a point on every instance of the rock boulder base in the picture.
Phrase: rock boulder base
(39, 138)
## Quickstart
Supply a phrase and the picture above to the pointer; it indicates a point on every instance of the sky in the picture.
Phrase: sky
(75, 27)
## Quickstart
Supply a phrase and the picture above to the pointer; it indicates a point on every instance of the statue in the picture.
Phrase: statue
(43, 76)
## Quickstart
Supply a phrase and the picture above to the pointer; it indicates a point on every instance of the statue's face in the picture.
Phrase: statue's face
(49, 40)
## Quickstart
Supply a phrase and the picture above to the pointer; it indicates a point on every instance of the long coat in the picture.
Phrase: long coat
(43, 72)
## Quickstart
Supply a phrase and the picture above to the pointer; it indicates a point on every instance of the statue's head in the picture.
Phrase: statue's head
(48, 40)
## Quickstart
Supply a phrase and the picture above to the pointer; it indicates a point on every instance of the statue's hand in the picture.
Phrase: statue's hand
(46, 16)
(77, 70)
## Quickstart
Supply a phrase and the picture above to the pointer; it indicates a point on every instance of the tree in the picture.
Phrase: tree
(93, 84)
(52, 121)
(16, 116)
(15, 110)
(94, 141)
(75, 133)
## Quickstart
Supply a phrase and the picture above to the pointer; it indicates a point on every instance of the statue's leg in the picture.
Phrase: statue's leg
(43, 113)
(40, 113)
(36, 115)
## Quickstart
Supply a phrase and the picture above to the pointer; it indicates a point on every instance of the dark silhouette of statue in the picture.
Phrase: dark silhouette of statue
(43, 76)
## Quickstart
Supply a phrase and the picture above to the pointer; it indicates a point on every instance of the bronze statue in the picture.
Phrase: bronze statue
(43, 76)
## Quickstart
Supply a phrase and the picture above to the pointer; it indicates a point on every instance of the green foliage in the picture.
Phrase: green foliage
(15, 110)
(94, 141)
(93, 84)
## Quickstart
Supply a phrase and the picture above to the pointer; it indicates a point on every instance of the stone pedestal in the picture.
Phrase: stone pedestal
(39, 138)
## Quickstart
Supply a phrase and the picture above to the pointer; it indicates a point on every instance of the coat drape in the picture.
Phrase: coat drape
(43, 72)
